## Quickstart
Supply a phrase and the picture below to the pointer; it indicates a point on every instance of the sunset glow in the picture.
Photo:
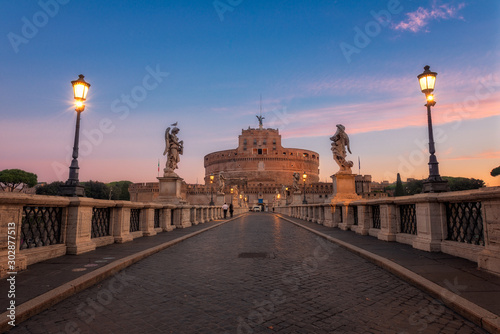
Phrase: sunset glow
(315, 64)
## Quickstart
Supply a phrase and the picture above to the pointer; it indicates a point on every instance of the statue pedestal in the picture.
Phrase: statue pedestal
(170, 189)
(297, 198)
(344, 187)
(220, 199)
(344, 190)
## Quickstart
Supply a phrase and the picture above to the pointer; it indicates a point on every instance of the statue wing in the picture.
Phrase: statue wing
(347, 143)
(167, 140)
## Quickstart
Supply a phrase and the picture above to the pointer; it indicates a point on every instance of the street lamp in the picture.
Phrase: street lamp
(434, 183)
(211, 190)
(72, 186)
(304, 177)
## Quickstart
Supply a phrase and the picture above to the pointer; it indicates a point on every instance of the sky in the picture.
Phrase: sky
(206, 64)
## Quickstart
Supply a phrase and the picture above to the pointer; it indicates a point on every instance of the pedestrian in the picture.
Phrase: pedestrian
(231, 210)
(224, 208)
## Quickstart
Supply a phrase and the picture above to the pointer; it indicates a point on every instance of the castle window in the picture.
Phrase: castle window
(244, 148)
(264, 142)
(259, 151)
(255, 141)
(284, 153)
(244, 141)
(305, 155)
(274, 149)
(274, 141)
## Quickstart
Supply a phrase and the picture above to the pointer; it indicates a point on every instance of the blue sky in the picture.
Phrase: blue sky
(205, 64)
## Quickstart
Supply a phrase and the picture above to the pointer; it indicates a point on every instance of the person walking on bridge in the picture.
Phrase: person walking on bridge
(231, 210)
(224, 208)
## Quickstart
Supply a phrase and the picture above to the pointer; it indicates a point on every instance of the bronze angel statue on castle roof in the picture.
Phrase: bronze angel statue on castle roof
(173, 148)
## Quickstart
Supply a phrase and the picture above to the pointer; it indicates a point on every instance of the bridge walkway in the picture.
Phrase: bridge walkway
(258, 273)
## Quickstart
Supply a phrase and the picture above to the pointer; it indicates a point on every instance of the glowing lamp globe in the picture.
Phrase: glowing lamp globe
(80, 88)
(427, 80)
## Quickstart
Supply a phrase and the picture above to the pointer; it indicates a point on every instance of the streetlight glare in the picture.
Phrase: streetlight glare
(430, 97)
(79, 104)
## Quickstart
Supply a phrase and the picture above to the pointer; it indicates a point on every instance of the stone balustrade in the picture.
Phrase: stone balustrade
(35, 228)
(462, 223)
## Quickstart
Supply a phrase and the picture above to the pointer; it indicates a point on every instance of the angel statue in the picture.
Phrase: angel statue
(296, 179)
(340, 141)
(260, 118)
(173, 148)
(221, 183)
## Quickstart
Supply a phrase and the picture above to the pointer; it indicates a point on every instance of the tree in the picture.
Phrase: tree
(400, 191)
(119, 190)
(16, 179)
(463, 183)
(52, 189)
(96, 189)
(414, 187)
(495, 171)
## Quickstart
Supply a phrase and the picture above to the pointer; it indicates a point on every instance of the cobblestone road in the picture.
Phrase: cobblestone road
(257, 274)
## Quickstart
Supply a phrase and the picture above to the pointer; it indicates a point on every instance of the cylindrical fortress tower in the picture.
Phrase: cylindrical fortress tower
(260, 159)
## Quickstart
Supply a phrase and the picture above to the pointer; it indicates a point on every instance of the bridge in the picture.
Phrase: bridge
(416, 264)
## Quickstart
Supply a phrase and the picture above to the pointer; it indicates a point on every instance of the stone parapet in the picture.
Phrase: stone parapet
(75, 225)
(463, 223)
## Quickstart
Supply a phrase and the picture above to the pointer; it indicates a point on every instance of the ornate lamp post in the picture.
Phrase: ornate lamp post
(304, 177)
(434, 183)
(211, 190)
(72, 186)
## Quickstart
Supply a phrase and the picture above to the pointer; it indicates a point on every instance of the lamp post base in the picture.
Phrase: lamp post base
(433, 186)
(72, 190)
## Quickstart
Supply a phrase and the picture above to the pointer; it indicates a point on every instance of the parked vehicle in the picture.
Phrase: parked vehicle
(256, 208)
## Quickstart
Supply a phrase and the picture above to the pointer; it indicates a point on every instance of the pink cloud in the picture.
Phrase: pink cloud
(486, 155)
(420, 18)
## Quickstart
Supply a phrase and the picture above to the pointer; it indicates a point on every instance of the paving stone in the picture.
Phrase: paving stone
(202, 286)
